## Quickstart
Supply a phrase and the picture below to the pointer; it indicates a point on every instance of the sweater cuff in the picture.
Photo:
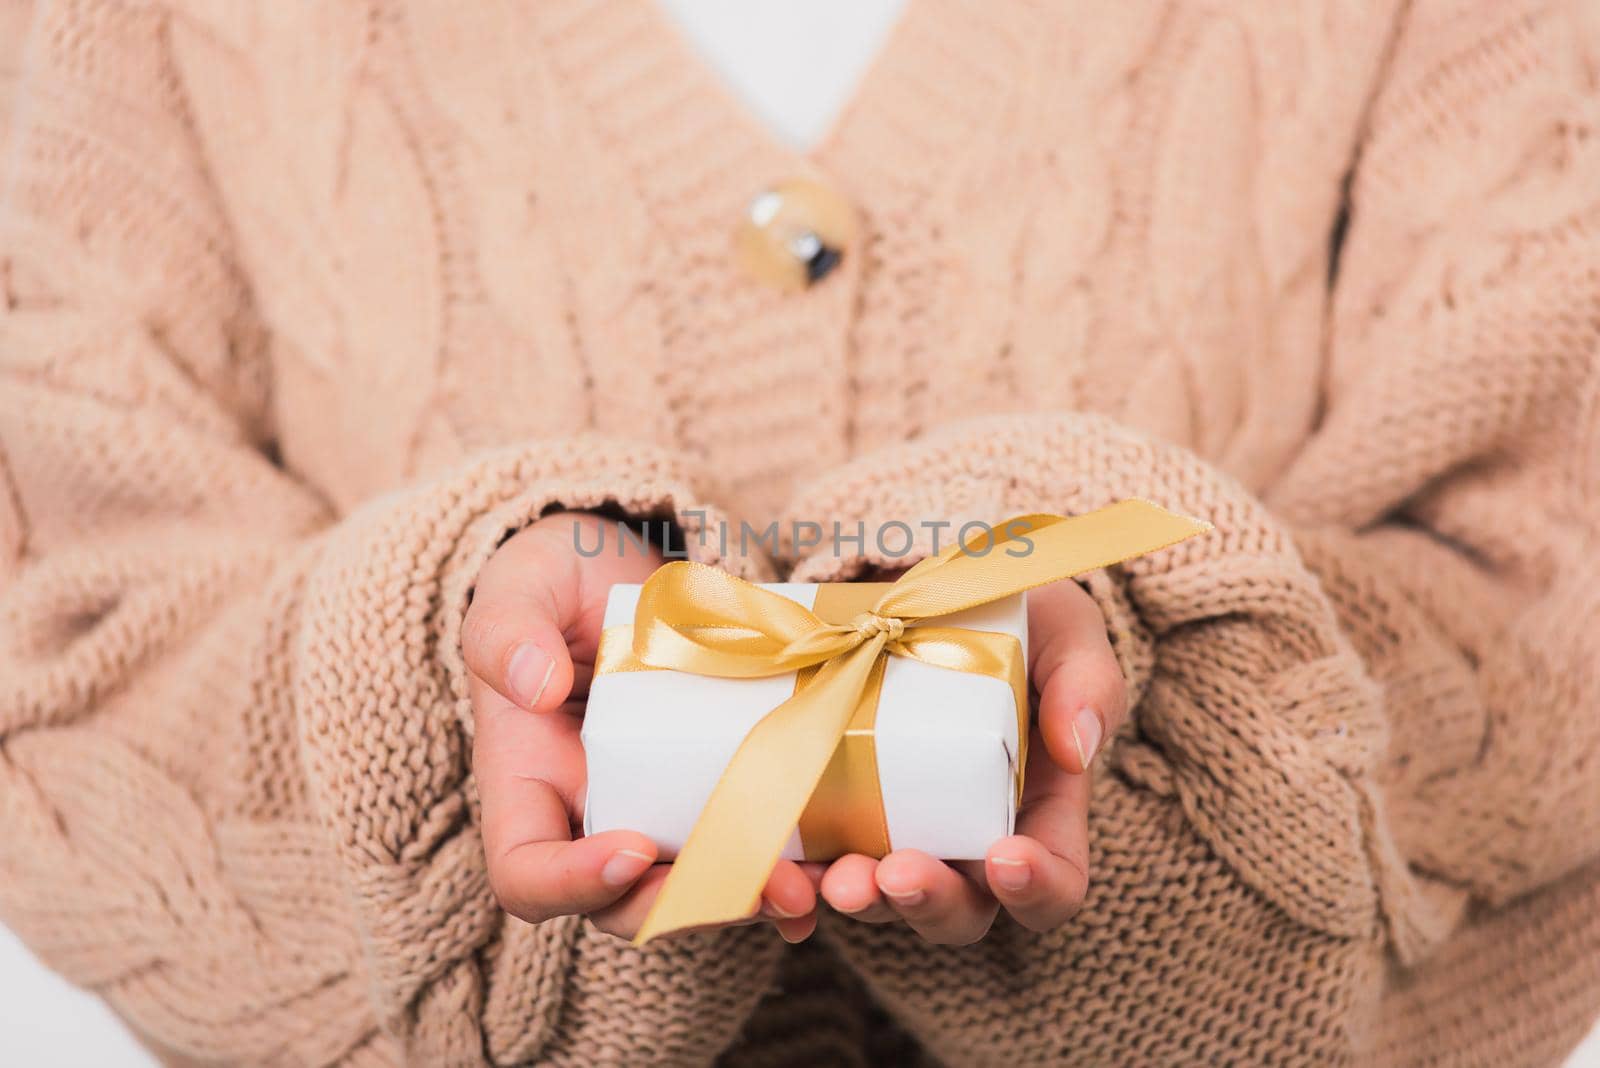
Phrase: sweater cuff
(1253, 712)
(381, 695)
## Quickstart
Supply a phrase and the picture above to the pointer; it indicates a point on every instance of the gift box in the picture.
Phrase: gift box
(736, 724)
(931, 761)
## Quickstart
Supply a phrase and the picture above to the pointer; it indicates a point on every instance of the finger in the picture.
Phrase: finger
(850, 887)
(535, 870)
(515, 757)
(1040, 889)
(1041, 874)
(623, 917)
(790, 900)
(789, 891)
(797, 928)
(938, 902)
(1082, 695)
(539, 880)
(512, 637)
(814, 870)
(1039, 886)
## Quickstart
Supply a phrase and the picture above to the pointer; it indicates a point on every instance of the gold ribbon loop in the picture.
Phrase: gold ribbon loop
(700, 620)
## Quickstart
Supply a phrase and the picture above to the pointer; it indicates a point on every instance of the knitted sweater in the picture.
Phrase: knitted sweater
(303, 307)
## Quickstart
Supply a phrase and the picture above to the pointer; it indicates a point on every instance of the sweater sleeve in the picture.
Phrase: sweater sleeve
(1371, 691)
(234, 775)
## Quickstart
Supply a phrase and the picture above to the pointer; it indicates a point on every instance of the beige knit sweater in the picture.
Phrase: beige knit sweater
(302, 307)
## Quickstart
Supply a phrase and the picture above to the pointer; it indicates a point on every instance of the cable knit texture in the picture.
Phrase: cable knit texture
(304, 307)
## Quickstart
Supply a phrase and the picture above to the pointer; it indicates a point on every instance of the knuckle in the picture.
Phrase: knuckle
(1116, 682)
(972, 933)
(543, 551)
(1116, 698)
(552, 537)
(500, 887)
(499, 573)
(1076, 884)
(1053, 917)
(510, 899)
(1099, 679)
(1046, 922)
(479, 631)
(1053, 653)
(961, 925)
(569, 887)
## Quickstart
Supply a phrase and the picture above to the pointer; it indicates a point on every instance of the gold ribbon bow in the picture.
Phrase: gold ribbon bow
(700, 620)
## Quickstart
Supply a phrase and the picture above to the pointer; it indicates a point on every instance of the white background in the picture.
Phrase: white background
(795, 65)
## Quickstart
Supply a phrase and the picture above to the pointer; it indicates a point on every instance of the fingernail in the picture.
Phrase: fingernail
(1011, 874)
(529, 673)
(772, 908)
(1086, 734)
(908, 898)
(795, 940)
(624, 867)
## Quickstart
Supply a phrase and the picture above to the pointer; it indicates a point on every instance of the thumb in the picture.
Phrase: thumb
(1082, 696)
(526, 597)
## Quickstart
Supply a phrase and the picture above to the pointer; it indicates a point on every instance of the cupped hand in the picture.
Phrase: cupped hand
(1041, 873)
(529, 640)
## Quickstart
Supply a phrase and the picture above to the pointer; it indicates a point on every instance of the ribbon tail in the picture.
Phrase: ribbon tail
(719, 874)
(1032, 550)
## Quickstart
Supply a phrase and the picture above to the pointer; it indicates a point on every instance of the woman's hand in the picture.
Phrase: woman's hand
(529, 640)
(1041, 873)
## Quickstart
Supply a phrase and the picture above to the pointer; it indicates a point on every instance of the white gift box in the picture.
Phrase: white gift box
(946, 742)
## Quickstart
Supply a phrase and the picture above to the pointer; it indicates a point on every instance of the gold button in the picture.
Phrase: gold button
(795, 233)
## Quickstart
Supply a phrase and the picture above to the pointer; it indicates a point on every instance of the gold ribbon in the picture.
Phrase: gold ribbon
(697, 619)
(845, 813)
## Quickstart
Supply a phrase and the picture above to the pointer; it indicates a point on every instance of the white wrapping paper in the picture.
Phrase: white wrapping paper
(946, 742)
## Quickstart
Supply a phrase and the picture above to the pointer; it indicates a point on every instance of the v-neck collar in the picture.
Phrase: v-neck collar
(914, 149)
(695, 149)
(794, 66)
